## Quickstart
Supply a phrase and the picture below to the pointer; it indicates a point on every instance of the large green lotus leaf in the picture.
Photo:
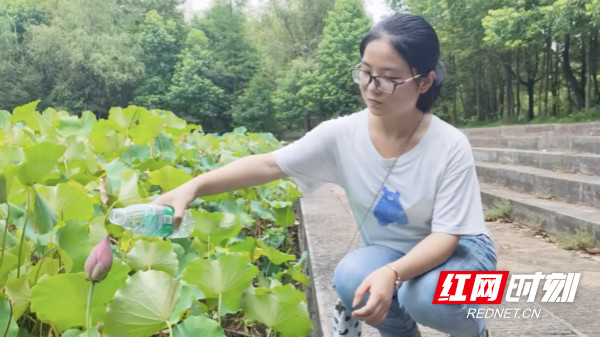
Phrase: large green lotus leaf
(88, 120)
(3, 190)
(157, 255)
(258, 210)
(188, 295)
(68, 200)
(10, 155)
(5, 120)
(168, 178)
(15, 190)
(114, 171)
(19, 293)
(184, 255)
(78, 333)
(72, 125)
(274, 255)
(146, 130)
(21, 136)
(9, 262)
(71, 291)
(76, 150)
(74, 239)
(172, 121)
(6, 320)
(281, 308)
(40, 159)
(165, 148)
(46, 266)
(228, 276)
(284, 216)
(129, 193)
(136, 154)
(97, 229)
(195, 326)
(10, 240)
(215, 227)
(105, 138)
(127, 118)
(47, 130)
(44, 216)
(142, 306)
(26, 113)
(69, 126)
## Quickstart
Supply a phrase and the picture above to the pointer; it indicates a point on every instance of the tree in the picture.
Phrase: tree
(338, 52)
(161, 41)
(192, 94)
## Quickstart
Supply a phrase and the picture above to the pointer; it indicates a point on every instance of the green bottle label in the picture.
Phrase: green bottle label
(166, 227)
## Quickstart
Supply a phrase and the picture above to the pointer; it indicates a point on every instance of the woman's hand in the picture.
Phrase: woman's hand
(380, 285)
(178, 198)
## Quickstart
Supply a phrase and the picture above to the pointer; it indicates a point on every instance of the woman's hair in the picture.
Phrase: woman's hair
(416, 41)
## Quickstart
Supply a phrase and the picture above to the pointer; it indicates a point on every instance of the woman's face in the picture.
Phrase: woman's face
(380, 59)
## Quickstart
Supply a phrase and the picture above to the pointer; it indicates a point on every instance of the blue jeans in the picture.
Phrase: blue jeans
(413, 301)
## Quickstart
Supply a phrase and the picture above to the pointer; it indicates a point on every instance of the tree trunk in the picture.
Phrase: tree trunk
(547, 73)
(307, 126)
(509, 91)
(530, 93)
(588, 80)
(518, 114)
(568, 73)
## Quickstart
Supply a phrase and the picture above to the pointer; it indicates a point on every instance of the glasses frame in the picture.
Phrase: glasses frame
(355, 71)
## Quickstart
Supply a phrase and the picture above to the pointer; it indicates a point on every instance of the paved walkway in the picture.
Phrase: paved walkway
(329, 232)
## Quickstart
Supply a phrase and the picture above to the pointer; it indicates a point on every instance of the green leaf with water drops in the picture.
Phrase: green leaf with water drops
(195, 326)
(228, 276)
(156, 255)
(142, 307)
(71, 291)
(129, 193)
(215, 227)
(281, 308)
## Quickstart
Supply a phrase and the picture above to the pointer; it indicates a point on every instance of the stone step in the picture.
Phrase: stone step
(571, 129)
(563, 162)
(548, 215)
(545, 184)
(575, 144)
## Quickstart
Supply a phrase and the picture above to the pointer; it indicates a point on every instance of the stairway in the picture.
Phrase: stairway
(550, 173)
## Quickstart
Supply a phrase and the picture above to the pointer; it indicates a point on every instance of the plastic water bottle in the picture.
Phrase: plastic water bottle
(153, 220)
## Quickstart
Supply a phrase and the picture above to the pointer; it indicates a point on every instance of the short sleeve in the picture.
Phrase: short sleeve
(311, 160)
(457, 208)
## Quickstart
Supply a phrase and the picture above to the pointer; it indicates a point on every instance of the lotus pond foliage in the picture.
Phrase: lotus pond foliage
(239, 272)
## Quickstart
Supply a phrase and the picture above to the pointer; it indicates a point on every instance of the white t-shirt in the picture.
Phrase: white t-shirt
(432, 188)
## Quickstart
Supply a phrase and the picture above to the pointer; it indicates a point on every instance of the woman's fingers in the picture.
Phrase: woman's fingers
(360, 292)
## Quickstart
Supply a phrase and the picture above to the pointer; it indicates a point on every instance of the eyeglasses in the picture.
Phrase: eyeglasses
(383, 83)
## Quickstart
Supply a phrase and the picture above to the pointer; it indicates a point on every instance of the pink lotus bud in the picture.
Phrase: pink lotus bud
(99, 262)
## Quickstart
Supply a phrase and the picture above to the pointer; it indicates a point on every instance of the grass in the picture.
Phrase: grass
(500, 210)
(582, 238)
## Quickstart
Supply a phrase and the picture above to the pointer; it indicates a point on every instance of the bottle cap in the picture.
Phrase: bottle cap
(117, 216)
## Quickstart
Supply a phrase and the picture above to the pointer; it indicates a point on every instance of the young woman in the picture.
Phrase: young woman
(410, 179)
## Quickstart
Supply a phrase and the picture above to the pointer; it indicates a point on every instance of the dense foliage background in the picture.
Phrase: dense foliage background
(285, 64)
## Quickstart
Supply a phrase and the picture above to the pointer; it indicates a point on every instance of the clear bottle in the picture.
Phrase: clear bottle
(153, 220)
